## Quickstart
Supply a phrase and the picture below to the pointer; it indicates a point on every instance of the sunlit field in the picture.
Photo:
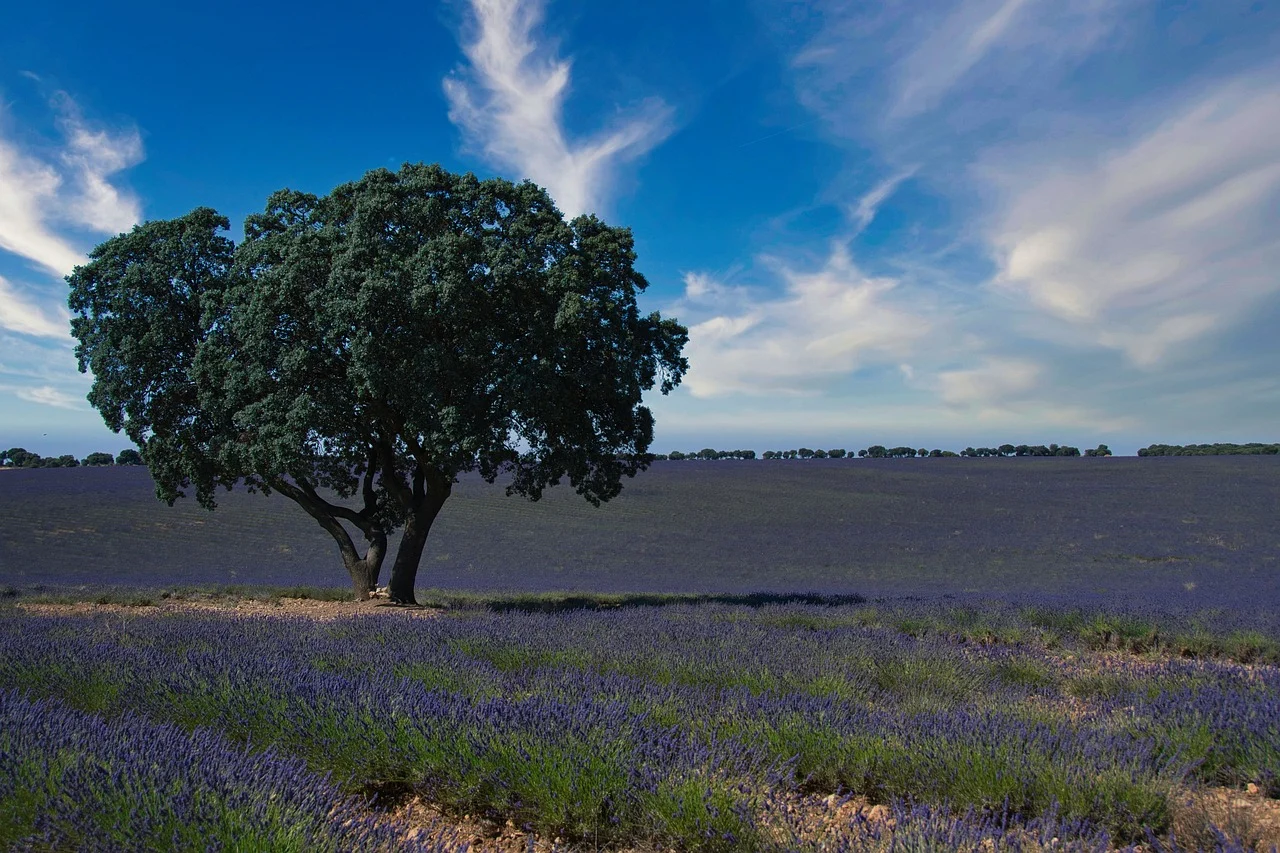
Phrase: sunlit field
(999, 654)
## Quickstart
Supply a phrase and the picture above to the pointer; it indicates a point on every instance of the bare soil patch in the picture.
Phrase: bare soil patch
(296, 607)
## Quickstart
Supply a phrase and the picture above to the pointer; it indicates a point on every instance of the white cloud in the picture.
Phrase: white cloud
(28, 193)
(508, 103)
(71, 186)
(47, 395)
(997, 380)
(19, 314)
(826, 323)
(1151, 245)
(92, 156)
(864, 212)
(924, 81)
(939, 61)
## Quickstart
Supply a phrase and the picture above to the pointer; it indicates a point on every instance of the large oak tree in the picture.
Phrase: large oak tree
(373, 344)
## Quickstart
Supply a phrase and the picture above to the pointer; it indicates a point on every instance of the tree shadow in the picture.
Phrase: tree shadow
(563, 603)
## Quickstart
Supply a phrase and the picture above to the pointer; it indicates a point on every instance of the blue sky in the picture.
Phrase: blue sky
(927, 222)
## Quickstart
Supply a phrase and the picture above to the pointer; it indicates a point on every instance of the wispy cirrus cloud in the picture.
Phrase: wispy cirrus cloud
(864, 211)
(45, 191)
(508, 101)
(47, 395)
(1147, 246)
(56, 194)
(1112, 183)
(20, 313)
(825, 322)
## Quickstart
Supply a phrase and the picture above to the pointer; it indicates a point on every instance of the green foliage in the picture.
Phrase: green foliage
(129, 456)
(95, 459)
(377, 341)
(1252, 448)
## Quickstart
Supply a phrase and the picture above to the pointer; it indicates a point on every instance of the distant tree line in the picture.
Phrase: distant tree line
(879, 451)
(708, 453)
(19, 457)
(1253, 448)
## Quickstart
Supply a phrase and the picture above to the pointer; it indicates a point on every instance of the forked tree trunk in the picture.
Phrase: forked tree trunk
(364, 571)
(404, 572)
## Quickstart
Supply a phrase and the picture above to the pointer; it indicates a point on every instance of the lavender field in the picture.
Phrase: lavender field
(1185, 530)
(1008, 654)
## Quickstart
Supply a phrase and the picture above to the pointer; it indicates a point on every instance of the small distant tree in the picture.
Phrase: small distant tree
(862, 454)
(819, 454)
(935, 453)
(877, 451)
(96, 459)
(1100, 450)
(838, 453)
(1007, 450)
(805, 453)
(129, 456)
(922, 452)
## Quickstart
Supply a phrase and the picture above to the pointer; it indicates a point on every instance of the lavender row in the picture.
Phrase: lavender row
(649, 708)
(71, 780)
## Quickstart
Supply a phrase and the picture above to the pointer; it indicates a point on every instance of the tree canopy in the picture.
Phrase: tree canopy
(377, 342)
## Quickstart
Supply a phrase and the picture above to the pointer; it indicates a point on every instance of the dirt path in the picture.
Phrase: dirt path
(303, 607)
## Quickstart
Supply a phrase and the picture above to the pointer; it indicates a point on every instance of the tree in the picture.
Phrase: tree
(99, 459)
(922, 452)
(1007, 450)
(129, 456)
(377, 342)
(837, 453)
(877, 451)
(20, 457)
(806, 453)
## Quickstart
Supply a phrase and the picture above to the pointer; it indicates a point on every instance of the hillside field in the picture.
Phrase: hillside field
(1185, 530)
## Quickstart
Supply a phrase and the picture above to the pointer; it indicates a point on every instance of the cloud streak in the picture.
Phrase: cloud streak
(70, 187)
(509, 100)
(1159, 242)
(47, 395)
(19, 314)
(826, 323)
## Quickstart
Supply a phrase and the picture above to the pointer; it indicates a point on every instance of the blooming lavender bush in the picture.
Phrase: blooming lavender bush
(71, 780)
(676, 724)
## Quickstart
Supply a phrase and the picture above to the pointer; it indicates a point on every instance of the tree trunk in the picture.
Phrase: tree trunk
(404, 572)
(364, 571)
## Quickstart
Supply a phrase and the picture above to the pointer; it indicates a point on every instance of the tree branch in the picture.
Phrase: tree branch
(317, 510)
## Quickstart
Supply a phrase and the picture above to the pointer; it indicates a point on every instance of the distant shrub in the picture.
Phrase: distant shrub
(129, 456)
